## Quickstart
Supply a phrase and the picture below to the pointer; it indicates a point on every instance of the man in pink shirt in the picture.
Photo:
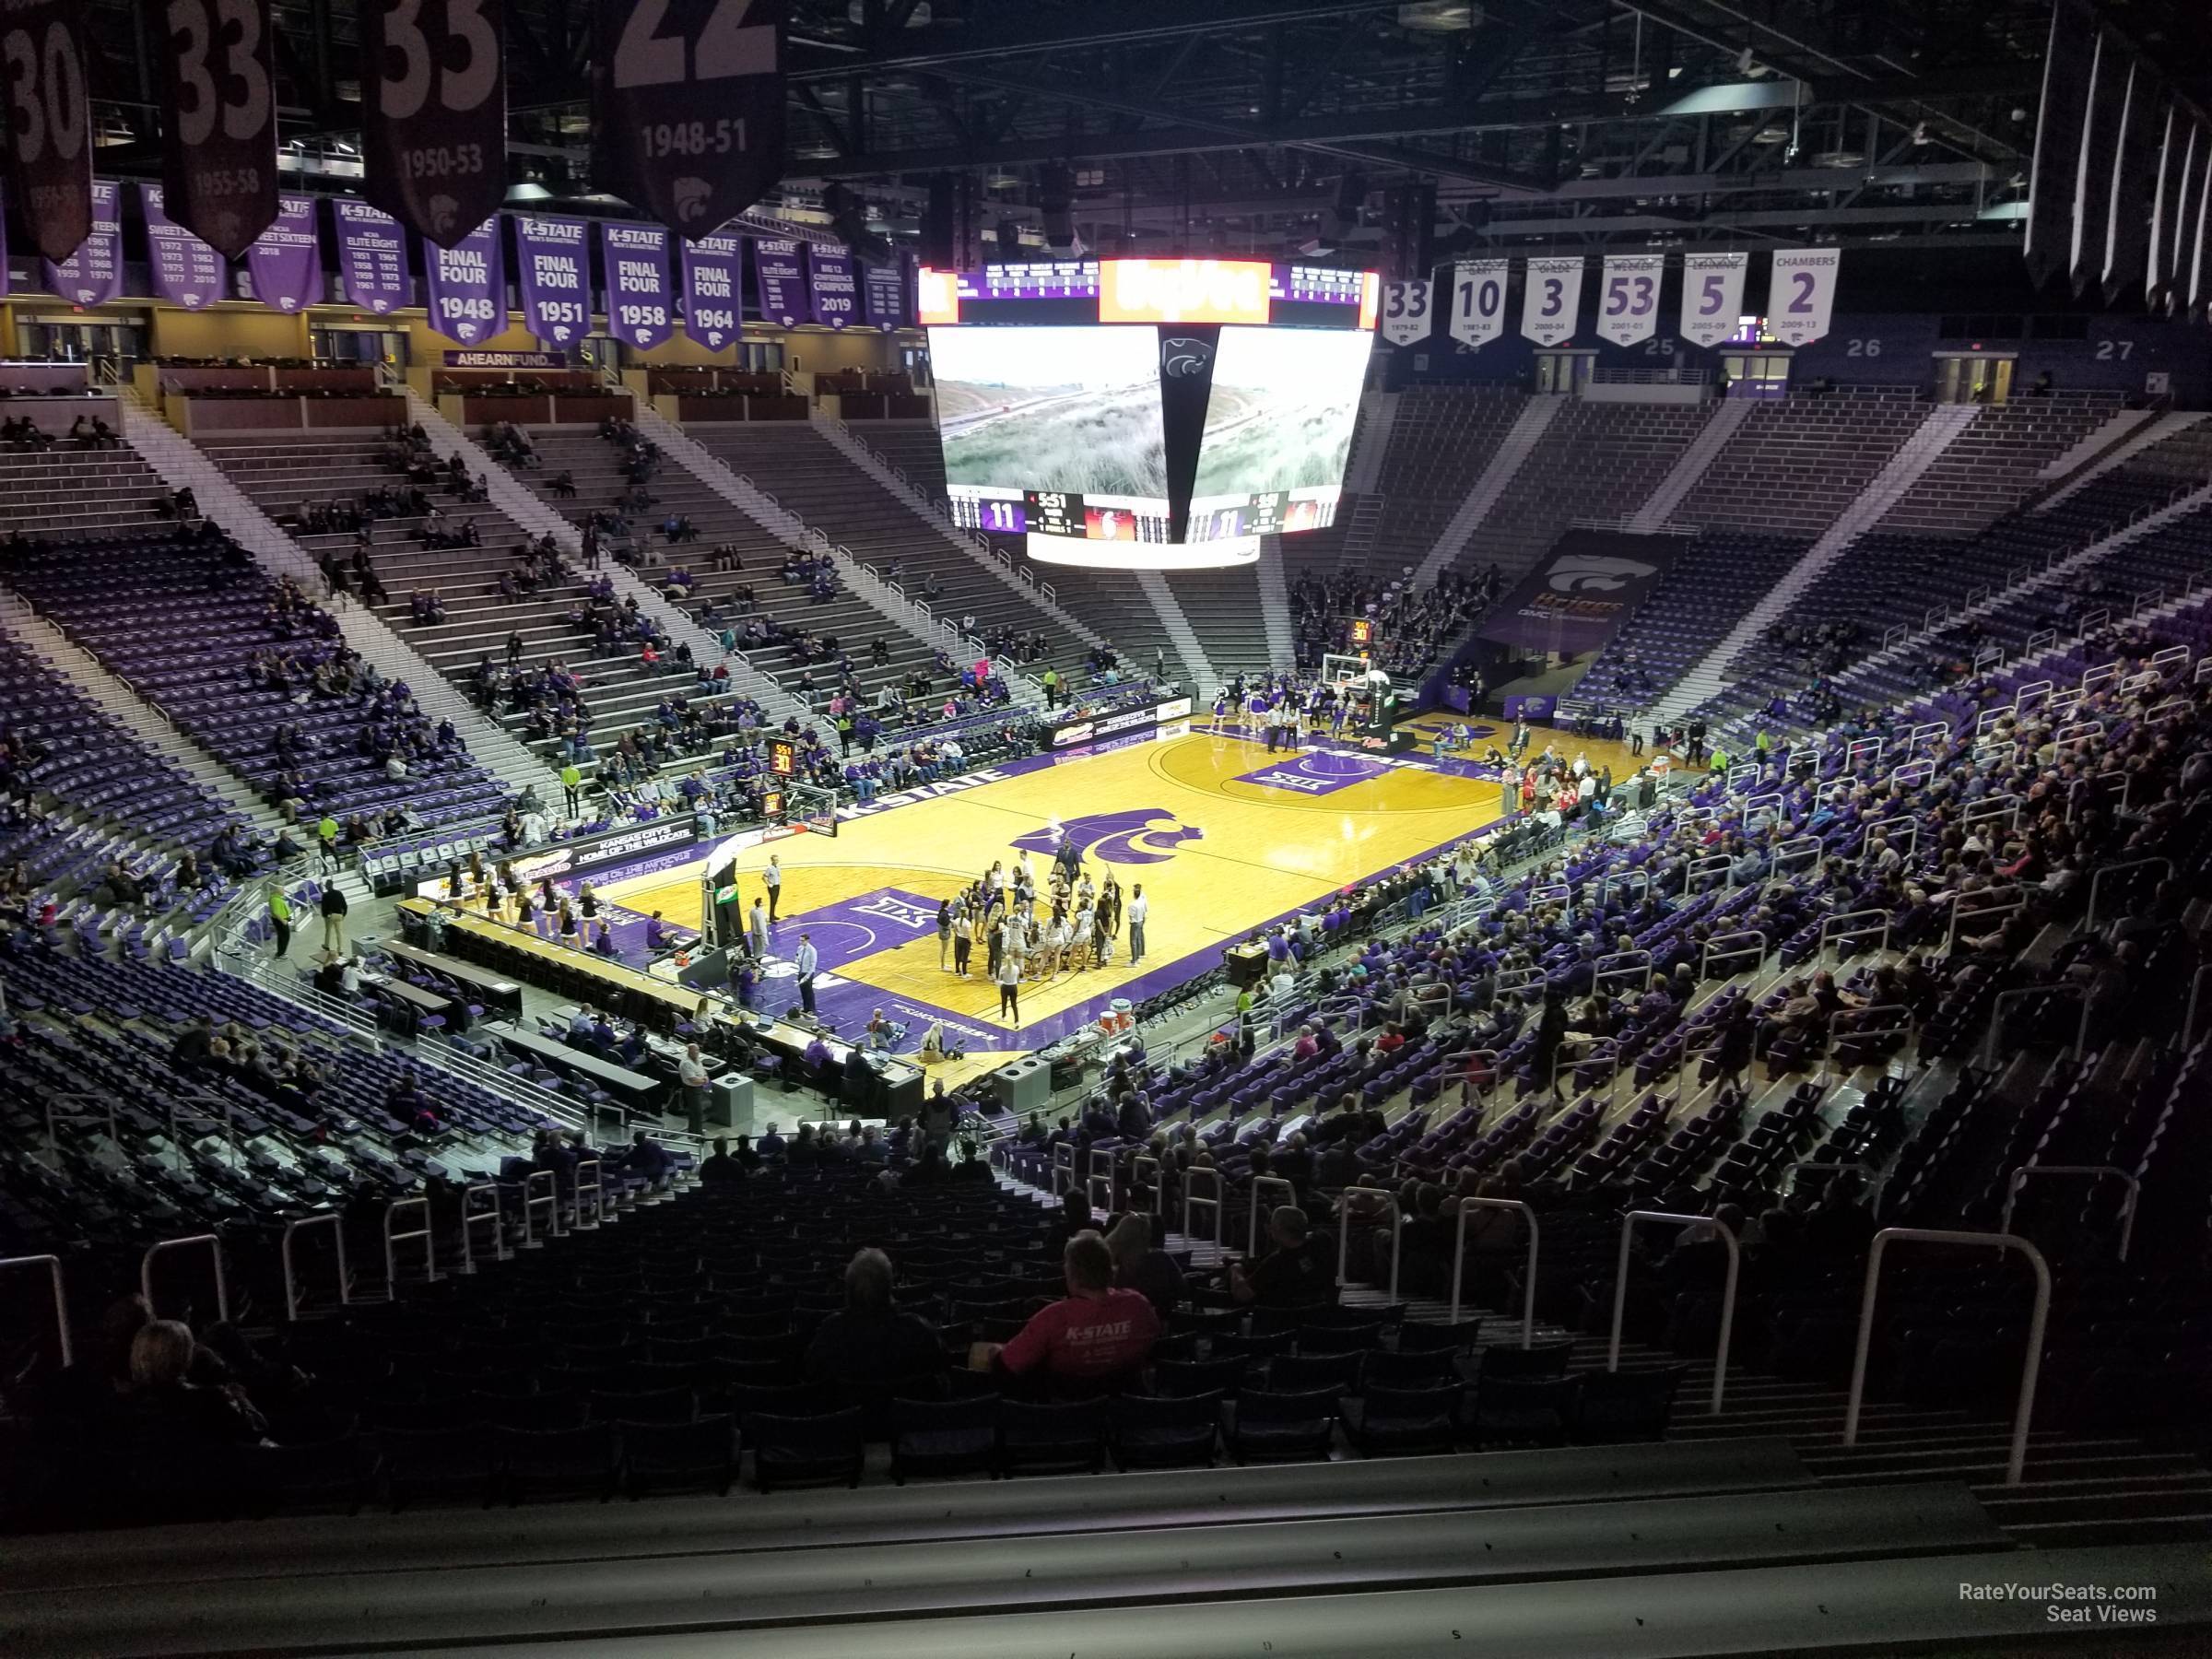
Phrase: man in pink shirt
(1099, 1334)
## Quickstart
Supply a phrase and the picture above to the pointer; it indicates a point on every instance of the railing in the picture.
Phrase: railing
(392, 1241)
(223, 1282)
(1853, 925)
(1733, 947)
(1994, 902)
(101, 1112)
(471, 1220)
(596, 1190)
(1398, 1234)
(2031, 1365)
(1190, 1200)
(1252, 1231)
(291, 1278)
(1459, 1259)
(2096, 881)
(532, 1198)
(1064, 1168)
(1159, 1188)
(61, 1298)
(1100, 1175)
(1621, 1291)
(2095, 1172)
(2005, 999)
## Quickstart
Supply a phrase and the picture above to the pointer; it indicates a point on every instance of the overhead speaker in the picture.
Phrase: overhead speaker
(938, 223)
(849, 217)
(1056, 206)
(1009, 239)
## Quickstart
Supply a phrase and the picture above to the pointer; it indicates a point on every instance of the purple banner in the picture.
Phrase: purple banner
(639, 309)
(835, 286)
(1579, 595)
(372, 257)
(434, 112)
(467, 291)
(884, 294)
(713, 267)
(93, 274)
(779, 267)
(187, 271)
(553, 264)
(285, 261)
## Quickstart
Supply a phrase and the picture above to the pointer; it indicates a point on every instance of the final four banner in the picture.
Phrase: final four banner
(93, 274)
(1554, 297)
(639, 309)
(833, 284)
(553, 265)
(285, 261)
(1713, 296)
(780, 268)
(1408, 312)
(434, 114)
(219, 148)
(883, 296)
(1628, 307)
(187, 271)
(1479, 301)
(468, 290)
(372, 257)
(1801, 297)
(713, 292)
(50, 153)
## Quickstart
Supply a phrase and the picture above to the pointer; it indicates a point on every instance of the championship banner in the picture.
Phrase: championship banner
(2058, 128)
(1801, 297)
(49, 153)
(1479, 302)
(218, 140)
(640, 311)
(1406, 313)
(434, 114)
(833, 284)
(2173, 165)
(1713, 296)
(2188, 291)
(2129, 204)
(2101, 125)
(93, 274)
(286, 260)
(466, 289)
(1628, 307)
(553, 264)
(688, 100)
(187, 271)
(1576, 598)
(372, 257)
(779, 268)
(713, 269)
(883, 296)
(1554, 297)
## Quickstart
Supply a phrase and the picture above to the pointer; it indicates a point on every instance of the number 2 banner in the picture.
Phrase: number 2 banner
(1628, 311)
(1801, 297)
(50, 119)
(1406, 313)
(1479, 302)
(1554, 296)
(467, 291)
(1713, 296)
(218, 154)
(688, 96)
(434, 114)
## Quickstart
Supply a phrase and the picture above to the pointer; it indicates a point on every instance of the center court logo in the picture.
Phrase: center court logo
(1591, 572)
(1135, 836)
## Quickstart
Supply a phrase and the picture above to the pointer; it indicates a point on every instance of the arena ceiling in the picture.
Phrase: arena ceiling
(1268, 125)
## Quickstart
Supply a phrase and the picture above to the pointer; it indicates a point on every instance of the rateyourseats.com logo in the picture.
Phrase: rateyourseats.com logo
(1591, 572)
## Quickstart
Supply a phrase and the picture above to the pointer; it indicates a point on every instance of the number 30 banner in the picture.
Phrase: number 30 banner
(1629, 311)
(1713, 296)
(1555, 294)
(1802, 296)
(218, 158)
(49, 155)
(1405, 311)
(689, 99)
(434, 114)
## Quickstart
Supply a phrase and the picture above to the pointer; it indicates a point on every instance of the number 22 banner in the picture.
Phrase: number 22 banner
(1802, 296)
(1713, 296)
(1406, 316)
(1628, 311)
(689, 99)
(434, 114)
(1554, 296)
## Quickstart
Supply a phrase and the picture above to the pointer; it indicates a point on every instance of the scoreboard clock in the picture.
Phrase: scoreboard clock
(783, 757)
(1361, 633)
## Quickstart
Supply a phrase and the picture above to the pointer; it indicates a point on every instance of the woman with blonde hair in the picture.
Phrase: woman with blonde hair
(1138, 1266)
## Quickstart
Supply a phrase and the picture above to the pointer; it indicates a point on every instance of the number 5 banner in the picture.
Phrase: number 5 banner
(50, 157)
(218, 154)
(1802, 296)
(1479, 302)
(434, 114)
(1555, 294)
(689, 99)
(1713, 296)
(1405, 311)
(1629, 311)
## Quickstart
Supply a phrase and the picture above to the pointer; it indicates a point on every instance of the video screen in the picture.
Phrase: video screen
(1074, 411)
(1279, 429)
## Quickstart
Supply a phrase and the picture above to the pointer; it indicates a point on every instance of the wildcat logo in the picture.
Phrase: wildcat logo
(1130, 838)
(1181, 357)
(691, 196)
(1588, 572)
(444, 210)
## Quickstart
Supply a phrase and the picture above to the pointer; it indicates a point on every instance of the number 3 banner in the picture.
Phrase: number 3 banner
(1479, 302)
(50, 157)
(218, 155)
(1803, 295)
(1405, 311)
(434, 114)
(1555, 294)
(689, 99)
(1629, 311)
(1713, 296)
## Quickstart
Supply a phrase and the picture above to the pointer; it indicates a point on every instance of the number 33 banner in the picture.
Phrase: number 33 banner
(434, 114)
(1555, 294)
(218, 158)
(689, 99)
(1803, 294)
(1630, 309)
(1405, 315)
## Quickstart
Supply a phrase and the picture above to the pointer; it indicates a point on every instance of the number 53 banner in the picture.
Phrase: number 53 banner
(1629, 311)
(434, 114)
(1802, 296)
(1555, 294)
(689, 99)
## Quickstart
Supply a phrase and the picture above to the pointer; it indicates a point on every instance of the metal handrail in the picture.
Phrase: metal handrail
(1064, 1168)
(291, 1280)
(2127, 1210)
(61, 1298)
(1459, 1259)
(1190, 1176)
(1096, 1176)
(2031, 1365)
(496, 1215)
(1621, 1291)
(2096, 881)
(392, 1241)
(222, 1283)
(1159, 1187)
(532, 1198)
(1398, 1234)
(1252, 1230)
(597, 1189)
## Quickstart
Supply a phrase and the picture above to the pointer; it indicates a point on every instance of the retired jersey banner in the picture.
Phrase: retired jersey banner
(553, 267)
(689, 97)
(372, 257)
(1627, 305)
(1713, 296)
(1575, 599)
(1406, 313)
(49, 118)
(219, 149)
(434, 112)
(1554, 296)
(1801, 297)
(780, 268)
(883, 296)
(714, 301)
(93, 274)
(286, 260)
(1479, 302)
(187, 271)
(466, 288)
(834, 285)
(639, 309)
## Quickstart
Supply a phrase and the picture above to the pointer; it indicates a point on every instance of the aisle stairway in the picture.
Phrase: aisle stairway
(1512, 452)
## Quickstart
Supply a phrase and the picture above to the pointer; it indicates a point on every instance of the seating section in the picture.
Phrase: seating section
(1416, 628)
(1440, 442)
(1797, 462)
(1223, 609)
(69, 490)
(1992, 465)
(1713, 580)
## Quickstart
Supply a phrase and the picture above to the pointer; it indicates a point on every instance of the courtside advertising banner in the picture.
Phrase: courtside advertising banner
(1801, 297)
(1578, 596)
(713, 271)
(1479, 302)
(187, 271)
(553, 265)
(93, 274)
(468, 290)
(372, 257)
(1712, 297)
(285, 261)
(639, 309)
(1554, 296)
(1406, 311)
(1627, 305)
(50, 114)
(434, 114)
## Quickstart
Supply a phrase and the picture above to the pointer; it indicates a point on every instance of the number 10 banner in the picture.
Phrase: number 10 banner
(434, 114)
(1629, 311)
(1555, 295)
(1405, 311)
(1802, 296)
(1479, 302)
(1713, 296)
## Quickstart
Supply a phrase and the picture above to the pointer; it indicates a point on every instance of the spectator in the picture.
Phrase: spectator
(1293, 1274)
(1139, 1266)
(869, 1343)
(1093, 1339)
